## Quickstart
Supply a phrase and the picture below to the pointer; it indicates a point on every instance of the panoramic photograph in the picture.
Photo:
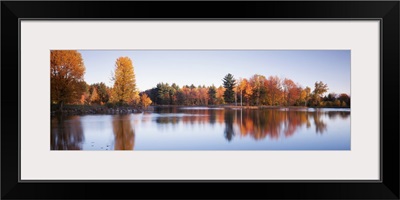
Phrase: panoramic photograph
(258, 100)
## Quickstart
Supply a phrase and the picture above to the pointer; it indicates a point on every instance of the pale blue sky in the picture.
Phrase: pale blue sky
(185, 67)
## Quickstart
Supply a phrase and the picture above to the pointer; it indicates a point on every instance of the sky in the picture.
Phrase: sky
(207, 67)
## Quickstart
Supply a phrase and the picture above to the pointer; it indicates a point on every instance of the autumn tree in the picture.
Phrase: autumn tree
(259, 91)
(304, 96)
(185, 95)
(193, 95)
(85, 96)
(66, 76)
(145, 100)
(245, 90)
(274, 88)
(94, 98)
(220, 95)
(124, 90)
(240, 87)
(173, 93)
(336, 103)
(291, 91)
(229, 84)
(202, 95)
(319, 90)
(102, 92)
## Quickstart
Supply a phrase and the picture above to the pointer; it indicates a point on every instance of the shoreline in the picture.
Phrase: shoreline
(103, 109)
(95, 109)
(247, 107)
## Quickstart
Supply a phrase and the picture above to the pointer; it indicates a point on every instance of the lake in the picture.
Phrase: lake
(204, 128)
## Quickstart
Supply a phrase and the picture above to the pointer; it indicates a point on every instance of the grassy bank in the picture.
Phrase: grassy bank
(95, 109)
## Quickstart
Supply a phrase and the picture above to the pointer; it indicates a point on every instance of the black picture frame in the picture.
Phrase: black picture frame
(386, 11)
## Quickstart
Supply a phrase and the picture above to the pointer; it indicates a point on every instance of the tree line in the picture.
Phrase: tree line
(254, 91)
(69, 87)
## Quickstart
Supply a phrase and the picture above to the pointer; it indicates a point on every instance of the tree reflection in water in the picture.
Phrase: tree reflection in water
(66, 133)
(320, 125)
(343, 115)
(229, 132)
(260, 124)
(257, 124)
(293, 121)
(124, 135)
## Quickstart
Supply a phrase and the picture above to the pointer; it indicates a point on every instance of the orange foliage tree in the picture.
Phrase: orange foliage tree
(220, 95)
(245, 89)
(291, 91)
(274, 88)
(145, 100)
(66, 76)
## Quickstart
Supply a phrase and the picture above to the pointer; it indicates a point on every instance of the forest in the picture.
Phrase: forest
(68, 87)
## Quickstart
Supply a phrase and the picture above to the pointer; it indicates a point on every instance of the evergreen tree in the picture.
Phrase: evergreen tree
(229, 84)
(212, 95)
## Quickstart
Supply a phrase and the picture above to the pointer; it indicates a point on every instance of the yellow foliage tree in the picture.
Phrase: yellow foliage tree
(66, 76)
(145, 100)
(124, 89)
(245, 89)
(220, 95)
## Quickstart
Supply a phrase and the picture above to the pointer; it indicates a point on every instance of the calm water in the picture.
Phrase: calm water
(191, 128)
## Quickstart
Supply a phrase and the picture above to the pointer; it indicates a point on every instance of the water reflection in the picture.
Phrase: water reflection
(123, 132)
(340, 114)
(320, 126)
(66, 133)
(209, 129)
(257, 124)
(229, 132)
